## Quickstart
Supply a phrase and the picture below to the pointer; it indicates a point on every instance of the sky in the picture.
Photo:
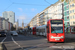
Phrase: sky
(24, 10)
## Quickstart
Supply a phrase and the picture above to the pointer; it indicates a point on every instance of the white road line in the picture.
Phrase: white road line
(16, 43)
(3, 40)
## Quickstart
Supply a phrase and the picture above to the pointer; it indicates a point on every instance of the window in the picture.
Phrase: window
(73, 11)
(70, 11)
(67, 12)
(68, 17)
(72, 5)
(74, 22)
(67, 23)
(73, 16)
(67, 7)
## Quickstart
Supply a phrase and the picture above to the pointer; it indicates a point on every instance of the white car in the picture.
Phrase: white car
(14, 33)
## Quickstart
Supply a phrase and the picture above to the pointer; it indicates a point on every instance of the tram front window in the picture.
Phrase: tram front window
(56, 26)
(56, 29)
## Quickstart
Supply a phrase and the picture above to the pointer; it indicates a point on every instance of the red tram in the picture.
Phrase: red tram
(34, 30)
(55, 30)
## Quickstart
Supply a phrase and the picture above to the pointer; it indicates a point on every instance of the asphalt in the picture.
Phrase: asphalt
(68, 35)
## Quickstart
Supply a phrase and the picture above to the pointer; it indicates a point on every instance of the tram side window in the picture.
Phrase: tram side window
(40, 30)
(36, 30)
(43, 30)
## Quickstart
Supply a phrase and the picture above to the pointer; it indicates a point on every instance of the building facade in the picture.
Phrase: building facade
(9, 15)
(1, 23)
(55, 11)
(41, 18)
(72, 12)
(35, 21)
(5, 24)
(66, 14)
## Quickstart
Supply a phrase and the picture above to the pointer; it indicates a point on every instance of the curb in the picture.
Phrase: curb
(1, 48)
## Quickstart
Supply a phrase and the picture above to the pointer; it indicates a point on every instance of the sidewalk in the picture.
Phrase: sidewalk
(1, 48)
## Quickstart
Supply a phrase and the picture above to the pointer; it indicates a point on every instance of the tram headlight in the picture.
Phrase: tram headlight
(62, 36)
(51, 36)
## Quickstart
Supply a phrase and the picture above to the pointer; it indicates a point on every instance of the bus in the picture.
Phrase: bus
(55, 30)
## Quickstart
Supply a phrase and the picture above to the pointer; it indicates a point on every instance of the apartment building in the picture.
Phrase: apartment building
(44, 16)
(35, 21)
(72, 12)
(66, 14)
(56, 10)
(41, 18)
(31, 25)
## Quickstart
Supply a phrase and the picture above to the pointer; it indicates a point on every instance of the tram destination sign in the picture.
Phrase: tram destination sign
(56, 21)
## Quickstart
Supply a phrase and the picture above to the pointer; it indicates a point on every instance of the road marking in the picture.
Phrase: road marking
(16, 43)
(3, 40)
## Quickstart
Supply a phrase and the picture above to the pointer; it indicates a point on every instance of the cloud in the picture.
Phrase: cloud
(20, 9)
(33, 9)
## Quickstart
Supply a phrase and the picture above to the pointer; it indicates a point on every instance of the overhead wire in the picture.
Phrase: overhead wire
(47, 2)
(23, 4)
(8, 7)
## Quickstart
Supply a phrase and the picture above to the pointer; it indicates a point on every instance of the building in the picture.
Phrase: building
(9, 15)
(5, 24)
(58, 10)
(22, 24)
(1, 23)
(66, 14)
(35, 21)
(72, 13)
(54, 11)
(31, 25)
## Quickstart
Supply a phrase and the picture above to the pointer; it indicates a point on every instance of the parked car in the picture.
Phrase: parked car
(14, 33)
(2, 33)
